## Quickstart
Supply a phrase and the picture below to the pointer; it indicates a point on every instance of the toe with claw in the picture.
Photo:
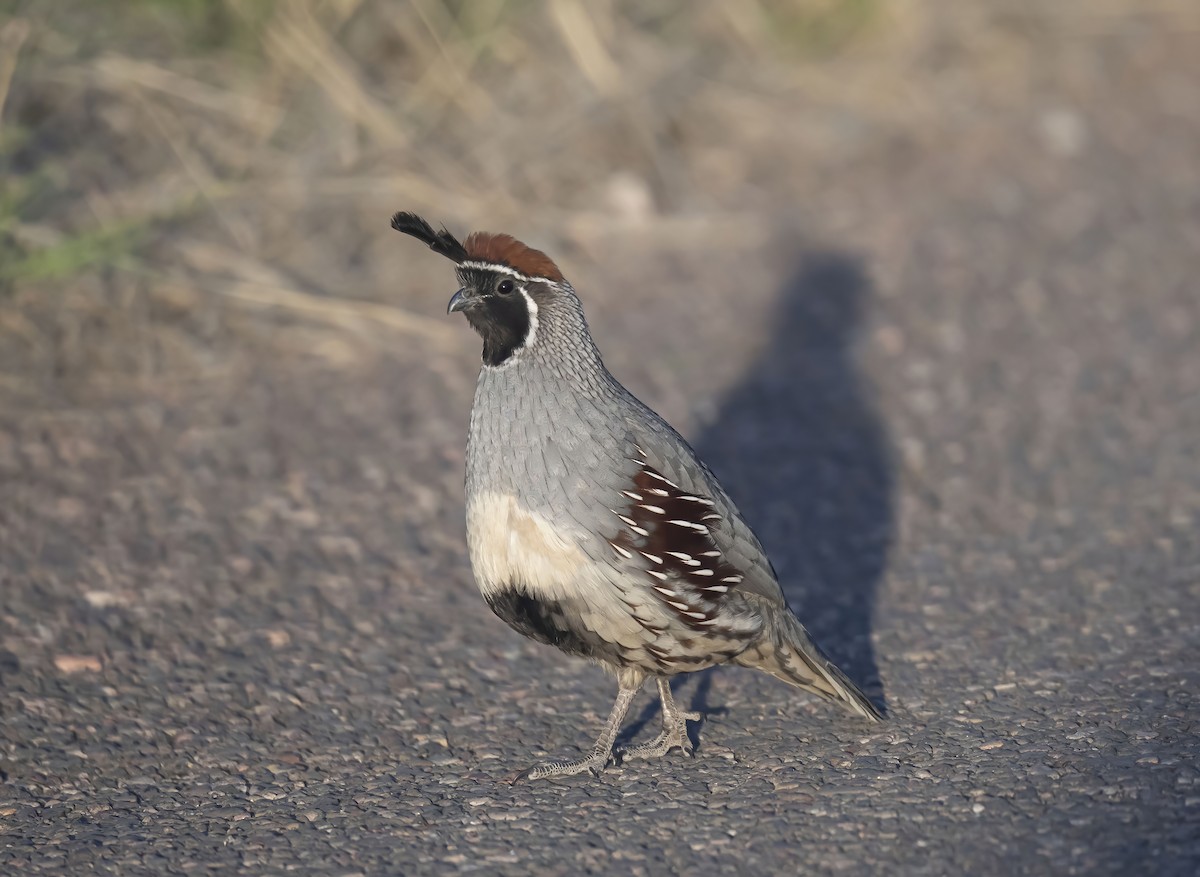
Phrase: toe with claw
(594, 763)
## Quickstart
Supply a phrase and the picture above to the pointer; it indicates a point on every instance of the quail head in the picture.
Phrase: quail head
(591, 524)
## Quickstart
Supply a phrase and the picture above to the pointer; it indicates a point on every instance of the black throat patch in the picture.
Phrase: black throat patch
(502, 319)
(503, 324)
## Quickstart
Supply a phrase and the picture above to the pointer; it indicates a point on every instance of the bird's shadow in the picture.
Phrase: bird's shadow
(800, 448)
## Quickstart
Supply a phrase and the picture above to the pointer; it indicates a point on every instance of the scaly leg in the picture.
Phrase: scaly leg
(674, 728)
(601, 753)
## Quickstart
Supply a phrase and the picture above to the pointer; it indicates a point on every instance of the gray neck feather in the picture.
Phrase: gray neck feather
(562, 353)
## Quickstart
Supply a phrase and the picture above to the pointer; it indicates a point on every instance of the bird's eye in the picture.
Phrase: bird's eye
(505, 287)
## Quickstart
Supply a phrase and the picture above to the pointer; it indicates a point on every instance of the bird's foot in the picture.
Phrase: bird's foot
(674, 736)
(602, 750)
(595, 762)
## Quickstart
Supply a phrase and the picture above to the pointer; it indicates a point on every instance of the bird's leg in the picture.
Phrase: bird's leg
(674, 728)
(601, 753)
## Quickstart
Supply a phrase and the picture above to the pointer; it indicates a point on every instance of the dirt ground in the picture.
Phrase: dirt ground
(919, 281)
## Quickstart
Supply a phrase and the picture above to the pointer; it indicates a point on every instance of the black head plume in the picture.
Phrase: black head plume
(439, 241)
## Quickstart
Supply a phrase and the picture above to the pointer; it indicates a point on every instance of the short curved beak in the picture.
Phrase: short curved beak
(458, 301)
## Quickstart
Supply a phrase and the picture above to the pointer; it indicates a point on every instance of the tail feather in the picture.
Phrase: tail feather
(786, 651)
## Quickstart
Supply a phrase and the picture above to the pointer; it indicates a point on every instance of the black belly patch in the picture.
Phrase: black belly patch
(546, 621)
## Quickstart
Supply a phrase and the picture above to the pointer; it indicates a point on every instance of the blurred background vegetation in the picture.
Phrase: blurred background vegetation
(171, 170)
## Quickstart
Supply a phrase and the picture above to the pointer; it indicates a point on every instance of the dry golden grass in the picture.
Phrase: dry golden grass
(181, 168)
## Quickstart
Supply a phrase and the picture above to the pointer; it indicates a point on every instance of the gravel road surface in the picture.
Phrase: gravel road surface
(957, 390)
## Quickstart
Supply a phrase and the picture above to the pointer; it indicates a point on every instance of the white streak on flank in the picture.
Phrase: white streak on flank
(696, 615)
(621, 551)
(629, 522)
(636, 497)
(661, 478)
(651, 557)
(699, 499)
(733, 580)
(713, 517)
(701, 572)
(709, 621)
(657, 491)
(682, 607)
(717, 589)
(686, 558)
(658, 510)
(666, 592)
(639, 530)
(699, 528)
(710, 554)
(661, 576)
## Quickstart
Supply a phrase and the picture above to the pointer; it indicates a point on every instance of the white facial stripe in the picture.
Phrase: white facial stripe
(504, 269)
(533, 318)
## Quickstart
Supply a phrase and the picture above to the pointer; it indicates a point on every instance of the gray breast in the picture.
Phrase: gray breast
(537, 438)
(552, 522)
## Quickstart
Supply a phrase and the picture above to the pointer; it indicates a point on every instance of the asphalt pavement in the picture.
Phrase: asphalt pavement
(958, 394)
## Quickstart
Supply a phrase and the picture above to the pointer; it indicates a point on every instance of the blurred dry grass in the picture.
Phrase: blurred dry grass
(178, 177)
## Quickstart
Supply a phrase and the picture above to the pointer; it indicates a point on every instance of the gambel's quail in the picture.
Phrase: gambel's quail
(591, 524)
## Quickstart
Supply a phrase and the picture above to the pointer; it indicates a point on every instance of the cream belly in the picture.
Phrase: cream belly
(515, 550)
(512, 546)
